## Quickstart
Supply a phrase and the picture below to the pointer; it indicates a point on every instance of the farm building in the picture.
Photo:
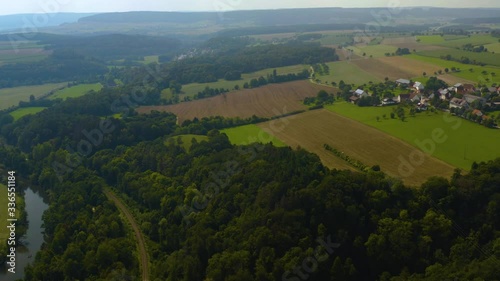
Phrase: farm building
(360, 93)
(400, 82)
(471, 98)
(458, 103)
(418, 86)
(403, 97)
(465, 89)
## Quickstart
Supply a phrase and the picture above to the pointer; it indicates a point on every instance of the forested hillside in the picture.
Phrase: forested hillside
(244, 212)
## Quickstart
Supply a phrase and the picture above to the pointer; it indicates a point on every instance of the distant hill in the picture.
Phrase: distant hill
(13, 22)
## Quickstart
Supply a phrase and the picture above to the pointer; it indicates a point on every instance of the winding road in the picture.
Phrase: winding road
(141, 244)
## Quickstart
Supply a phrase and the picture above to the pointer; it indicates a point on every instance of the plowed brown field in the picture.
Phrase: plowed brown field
(267, 101)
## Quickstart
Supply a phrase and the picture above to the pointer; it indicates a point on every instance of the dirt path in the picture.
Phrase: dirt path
(141, 244)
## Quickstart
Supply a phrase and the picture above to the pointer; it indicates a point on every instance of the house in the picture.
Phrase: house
(415, 97)
(465, 89)
(492, 90)
(418, 86)
(477, 112)
(388, 101)
(471, 98)
(458, 103)
(354, 99)
(400, 82)
(403, 97)
(360, 93)
(444, 94)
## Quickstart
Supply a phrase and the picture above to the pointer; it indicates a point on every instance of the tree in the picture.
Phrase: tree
(424, 73)
(446, 70)
(32, 98)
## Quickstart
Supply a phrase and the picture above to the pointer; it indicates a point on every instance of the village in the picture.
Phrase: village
(464, 100)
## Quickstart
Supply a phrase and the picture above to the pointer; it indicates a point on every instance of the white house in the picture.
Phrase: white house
(418, 86)
(360, 93)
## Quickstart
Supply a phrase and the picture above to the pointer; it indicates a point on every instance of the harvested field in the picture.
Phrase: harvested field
(268, 101)
(312, 129)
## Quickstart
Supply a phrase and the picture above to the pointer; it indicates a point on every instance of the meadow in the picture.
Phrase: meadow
(248, 134)
(75, 91)
(465, 143)
(349, 72)
(193, 88)
(494, 47)
(375, 51)
(12, 96)
(476, 75)
(484, 57)
(21, 112)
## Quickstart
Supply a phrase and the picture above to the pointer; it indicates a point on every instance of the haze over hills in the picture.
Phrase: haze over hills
(12, 22)
(156, 23)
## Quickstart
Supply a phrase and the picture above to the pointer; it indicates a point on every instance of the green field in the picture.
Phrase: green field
(26, 111)
(466, 141)
(376, 51)
(75, 91)
(475, 75)
(484, 57)
(495, 47)
(193, 88)
(350, 73)
(186, 140)
(12, 96)
(454, 41)
(247, 134)
(430, 39)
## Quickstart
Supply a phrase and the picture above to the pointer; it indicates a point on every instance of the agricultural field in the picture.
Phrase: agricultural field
(465, 142)
(312, 129)
(375, 51)
(75, 91)
(476, 75)
(484, 57)
(21, 112)
(248, 134)
(495, 47)
(150, 59)
(26, 51)
(348, 71)
(267, 101)
(405, 67)
(430, 39)
(411, 43)
(186, 140)
(475, 40)
(12, 96)
(193, 88)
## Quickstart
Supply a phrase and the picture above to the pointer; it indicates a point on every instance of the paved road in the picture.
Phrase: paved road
(141, 244)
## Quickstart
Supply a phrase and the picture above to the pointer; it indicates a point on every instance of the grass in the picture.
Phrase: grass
(494, 47)
(376, 51)
(476, 75)
(21, 112)
(430, 39)
(466, 141)
(475, 40)
(186, 140)
(12, 96)
(75, 91)
(484, 57)
(251, 134)
(193, 88)
(350, 73)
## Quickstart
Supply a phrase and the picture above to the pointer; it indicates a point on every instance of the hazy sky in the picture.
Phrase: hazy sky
(42, 6)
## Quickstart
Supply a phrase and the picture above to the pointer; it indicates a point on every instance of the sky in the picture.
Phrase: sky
(97, 6)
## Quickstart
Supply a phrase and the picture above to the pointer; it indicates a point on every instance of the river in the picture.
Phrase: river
(32, 240)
